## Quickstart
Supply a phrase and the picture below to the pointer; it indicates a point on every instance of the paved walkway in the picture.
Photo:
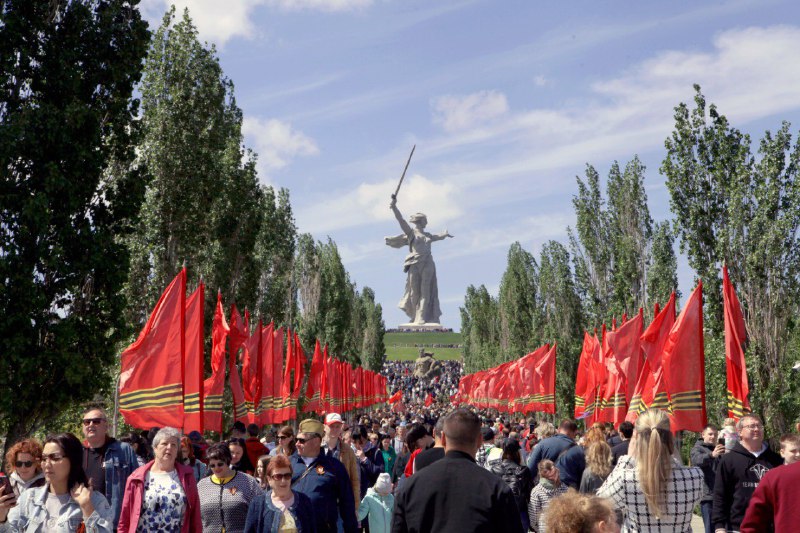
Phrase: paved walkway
(697, 524)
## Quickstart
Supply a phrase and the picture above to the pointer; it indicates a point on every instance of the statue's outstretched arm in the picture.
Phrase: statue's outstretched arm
(441, 236)
(403, 224)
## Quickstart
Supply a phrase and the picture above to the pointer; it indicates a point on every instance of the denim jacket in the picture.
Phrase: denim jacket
(119, 463)
(30, 514)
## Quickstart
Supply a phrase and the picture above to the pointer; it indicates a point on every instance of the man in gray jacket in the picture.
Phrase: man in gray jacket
(705, 454)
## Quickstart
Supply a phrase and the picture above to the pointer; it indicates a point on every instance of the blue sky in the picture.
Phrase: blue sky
(506, 102)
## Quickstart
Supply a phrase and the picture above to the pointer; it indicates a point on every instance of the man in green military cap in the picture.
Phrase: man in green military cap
(323, 479)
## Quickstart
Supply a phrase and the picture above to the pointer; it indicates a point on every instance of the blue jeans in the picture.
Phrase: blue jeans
(705, 510)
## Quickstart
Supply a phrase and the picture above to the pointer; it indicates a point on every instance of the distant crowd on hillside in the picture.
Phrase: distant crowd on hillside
(400, 377)
(412, 330)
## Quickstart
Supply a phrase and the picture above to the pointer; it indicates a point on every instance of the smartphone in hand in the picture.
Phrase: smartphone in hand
(5, 486)
(721, 441)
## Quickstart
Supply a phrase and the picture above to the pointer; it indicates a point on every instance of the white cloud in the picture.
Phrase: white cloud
(540, 81)
(747, 74)
(276, 143)
(218, 22)
(369, 203)
(457, 113)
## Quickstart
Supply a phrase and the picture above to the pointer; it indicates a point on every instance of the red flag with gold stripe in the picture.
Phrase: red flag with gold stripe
(151, 380)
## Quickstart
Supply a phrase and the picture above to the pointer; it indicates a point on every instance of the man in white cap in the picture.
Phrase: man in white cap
(332, 447)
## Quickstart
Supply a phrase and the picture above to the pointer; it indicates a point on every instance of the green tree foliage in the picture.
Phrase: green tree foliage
(274, 256)
(66, 112)
(517, 304)
(480, 329)
(631, 233)
(591, 247)
(662, 277)
(560, 319)
(735, 207)
(611, 242)
(373, 351)
(331, 308)
(204, 206)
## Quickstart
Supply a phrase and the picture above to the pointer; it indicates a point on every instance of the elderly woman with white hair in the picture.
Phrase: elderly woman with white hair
(162, 495)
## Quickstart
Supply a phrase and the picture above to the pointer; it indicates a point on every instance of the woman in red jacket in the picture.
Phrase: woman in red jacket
(162, 495)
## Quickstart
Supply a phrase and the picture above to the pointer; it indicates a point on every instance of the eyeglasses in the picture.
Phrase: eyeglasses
(26, 464)
(281, 477)
(216, 465)
(52, 457)
(95, 421)
(303, 441)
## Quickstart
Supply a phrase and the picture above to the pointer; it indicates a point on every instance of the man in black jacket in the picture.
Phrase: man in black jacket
(617, 451)
(705, 454)
(455, 494)
(739, 472)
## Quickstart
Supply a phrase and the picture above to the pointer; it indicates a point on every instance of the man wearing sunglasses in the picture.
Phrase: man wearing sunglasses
(323, 479)
(106, 461)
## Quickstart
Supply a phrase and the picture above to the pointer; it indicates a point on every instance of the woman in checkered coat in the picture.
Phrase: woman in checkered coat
(651, 488)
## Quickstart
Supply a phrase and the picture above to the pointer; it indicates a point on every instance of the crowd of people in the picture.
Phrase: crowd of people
(400, 377)
(431, 468)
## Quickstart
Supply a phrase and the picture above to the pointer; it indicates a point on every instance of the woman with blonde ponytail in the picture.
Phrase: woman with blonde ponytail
(650, 486)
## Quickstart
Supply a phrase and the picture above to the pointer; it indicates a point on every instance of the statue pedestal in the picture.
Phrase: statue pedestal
(428, 326)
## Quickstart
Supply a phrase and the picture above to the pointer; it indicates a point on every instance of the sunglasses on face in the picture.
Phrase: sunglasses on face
(216, 465)
(95, 421)
(281, 477)
(26, 464)
(281, 437)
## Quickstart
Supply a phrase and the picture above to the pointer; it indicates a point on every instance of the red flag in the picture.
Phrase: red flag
(539, 385)
(428, 400)
(150, 379)
(650, 387)
(584, 375)
(314, 386)
(193, 362)
(272, 341)
(626, 347)
(214, 386)
(735, 337)
(684, 366)
(397, 396)
(238, 335)
(252, 361)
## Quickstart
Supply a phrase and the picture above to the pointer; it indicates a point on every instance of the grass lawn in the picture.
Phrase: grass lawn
(401, 346)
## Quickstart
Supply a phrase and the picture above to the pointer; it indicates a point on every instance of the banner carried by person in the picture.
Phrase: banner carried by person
(735, 339)
(151, 371)
(193, 362)
(214, 387)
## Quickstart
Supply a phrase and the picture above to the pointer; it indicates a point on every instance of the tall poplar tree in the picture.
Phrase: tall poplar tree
(517, 304)
(560, 319)
(66, 116)
(480, 329)
(662, 277)
(742, 209)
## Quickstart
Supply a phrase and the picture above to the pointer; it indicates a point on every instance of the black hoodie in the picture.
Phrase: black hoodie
(738, 475)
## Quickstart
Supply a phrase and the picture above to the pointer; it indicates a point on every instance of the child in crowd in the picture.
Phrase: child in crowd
(378, 505)
(728, 432)
(790, 448)
(549, 487)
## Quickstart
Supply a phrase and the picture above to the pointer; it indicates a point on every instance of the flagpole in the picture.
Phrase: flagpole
(116, 408)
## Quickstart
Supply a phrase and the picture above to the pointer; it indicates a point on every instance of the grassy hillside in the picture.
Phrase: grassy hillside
(405, 346)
